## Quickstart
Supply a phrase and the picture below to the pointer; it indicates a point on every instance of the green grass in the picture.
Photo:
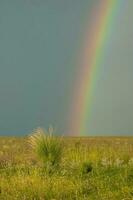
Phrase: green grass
(47, 147)
(89, 169)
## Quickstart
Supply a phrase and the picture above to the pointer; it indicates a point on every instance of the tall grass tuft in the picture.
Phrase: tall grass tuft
(47, 147)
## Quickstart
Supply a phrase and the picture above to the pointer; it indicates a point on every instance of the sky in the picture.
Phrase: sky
(38, 44)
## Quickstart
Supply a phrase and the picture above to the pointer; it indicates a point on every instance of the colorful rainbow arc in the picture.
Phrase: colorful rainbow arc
(92, 55)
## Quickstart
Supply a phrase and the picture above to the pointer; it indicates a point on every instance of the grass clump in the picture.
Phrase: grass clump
(86, 168)
(47, 147)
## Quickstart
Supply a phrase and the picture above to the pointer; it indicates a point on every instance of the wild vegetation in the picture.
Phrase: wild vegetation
(44, 167)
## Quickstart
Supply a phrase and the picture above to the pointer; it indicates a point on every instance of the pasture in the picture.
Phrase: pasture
(90, 168)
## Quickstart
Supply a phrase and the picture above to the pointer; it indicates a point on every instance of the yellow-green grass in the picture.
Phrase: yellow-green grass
(22, 176)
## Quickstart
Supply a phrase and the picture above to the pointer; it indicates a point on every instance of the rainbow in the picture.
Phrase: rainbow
(90, 60)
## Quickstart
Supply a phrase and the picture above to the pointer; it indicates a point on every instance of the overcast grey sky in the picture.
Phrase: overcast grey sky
(38, 41)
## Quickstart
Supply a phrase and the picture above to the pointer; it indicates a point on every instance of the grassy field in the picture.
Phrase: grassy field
(97, 168)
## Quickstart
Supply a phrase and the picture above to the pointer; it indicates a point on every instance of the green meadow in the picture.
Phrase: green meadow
(68, 168)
